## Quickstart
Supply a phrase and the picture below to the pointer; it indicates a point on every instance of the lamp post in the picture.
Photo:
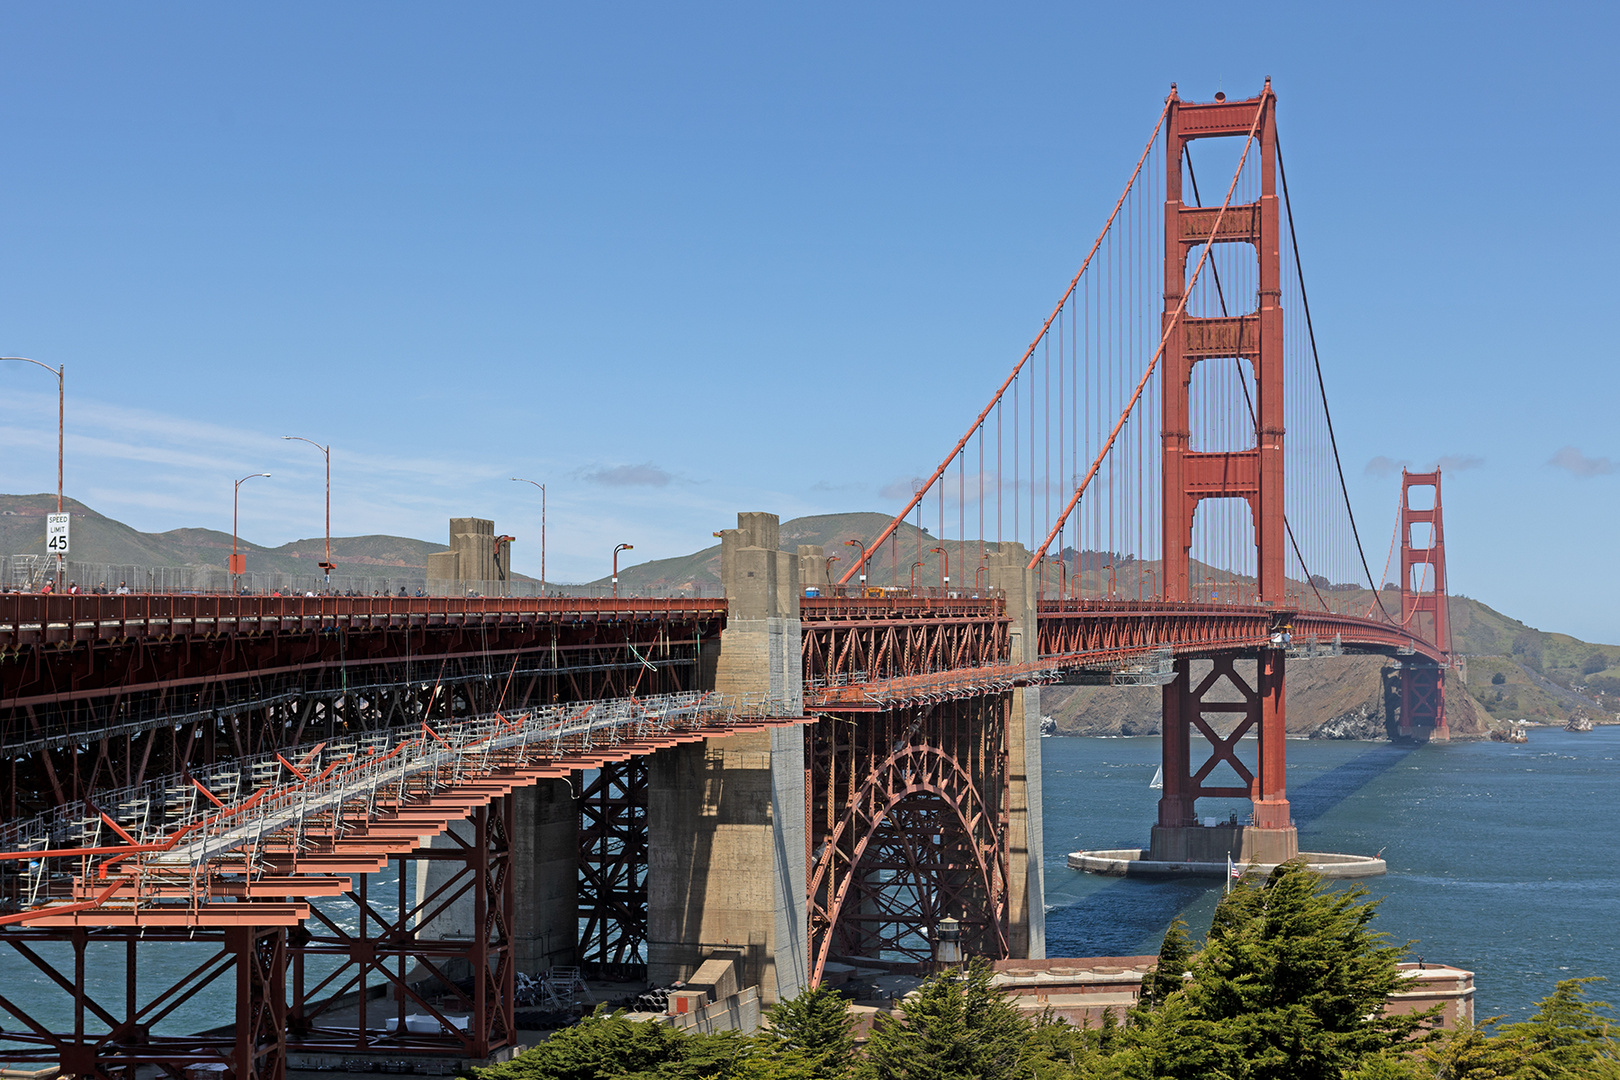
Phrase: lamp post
(542, 487)
(862, 545)
(327, 451)
(238, 562)
(829, 561)
(945, 577)
(61, 414)
(621, 547)
(915, 567)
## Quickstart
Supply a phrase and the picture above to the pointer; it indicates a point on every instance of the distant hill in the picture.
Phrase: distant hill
(101, 539)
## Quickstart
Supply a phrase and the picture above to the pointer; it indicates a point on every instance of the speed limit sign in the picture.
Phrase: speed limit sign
(56, 533)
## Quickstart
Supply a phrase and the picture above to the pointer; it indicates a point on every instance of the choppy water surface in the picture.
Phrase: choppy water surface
(1502, 859)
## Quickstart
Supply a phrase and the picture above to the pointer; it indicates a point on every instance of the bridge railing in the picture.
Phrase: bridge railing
(922, 604)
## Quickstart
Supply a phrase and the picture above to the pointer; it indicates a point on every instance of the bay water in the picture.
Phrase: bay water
(1503, 859)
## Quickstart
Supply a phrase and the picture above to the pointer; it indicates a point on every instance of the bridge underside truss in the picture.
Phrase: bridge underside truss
(908, 824)
(63, 748)
(613, 871)
(98, 1038)
(463, 981)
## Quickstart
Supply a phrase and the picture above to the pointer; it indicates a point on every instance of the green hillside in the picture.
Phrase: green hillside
(100, 539)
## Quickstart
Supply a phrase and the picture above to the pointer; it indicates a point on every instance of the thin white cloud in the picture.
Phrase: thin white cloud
(644, 475)
(1382, 466)
(1577, 464)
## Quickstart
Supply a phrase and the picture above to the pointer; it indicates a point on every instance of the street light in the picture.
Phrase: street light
(238, 562)
(327, 450)
(621, 547)
(945, 578)
(542, 487)
(862, 564)
(61, 398)
(829, 561)
(914, 568)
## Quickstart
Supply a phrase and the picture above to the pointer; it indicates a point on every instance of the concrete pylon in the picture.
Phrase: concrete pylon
(1006, 570)
(545, 865)
(813, 567)
(727, 852)
(477, 559)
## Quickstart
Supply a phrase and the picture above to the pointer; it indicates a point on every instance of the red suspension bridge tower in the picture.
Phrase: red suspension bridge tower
(1423, 608)
(1254, 340)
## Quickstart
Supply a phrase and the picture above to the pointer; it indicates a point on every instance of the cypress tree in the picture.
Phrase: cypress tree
(956, 1026)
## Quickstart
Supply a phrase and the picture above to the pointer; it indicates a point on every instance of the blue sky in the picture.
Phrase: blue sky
(680, 261)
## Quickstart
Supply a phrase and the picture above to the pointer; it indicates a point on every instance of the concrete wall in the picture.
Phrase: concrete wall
(545, 859)
(545, 865)
(1005, 569)
(726, 818)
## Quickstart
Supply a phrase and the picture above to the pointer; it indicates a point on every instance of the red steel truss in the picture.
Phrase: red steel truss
(1256, 705)
(419, 972)
(865, 640)
(106, 1038)
(251, 864)
(908, 818)
(104, 691)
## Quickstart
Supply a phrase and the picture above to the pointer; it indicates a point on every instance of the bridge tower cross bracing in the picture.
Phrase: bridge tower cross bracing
(1423, 593)
(1255, 475)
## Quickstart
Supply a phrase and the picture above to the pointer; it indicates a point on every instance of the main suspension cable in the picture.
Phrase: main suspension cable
(1321, 384)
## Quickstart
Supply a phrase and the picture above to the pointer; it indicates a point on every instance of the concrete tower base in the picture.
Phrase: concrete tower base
(1240, 843)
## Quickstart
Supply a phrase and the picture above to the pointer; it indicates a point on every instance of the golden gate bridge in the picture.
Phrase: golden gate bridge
(809, 770)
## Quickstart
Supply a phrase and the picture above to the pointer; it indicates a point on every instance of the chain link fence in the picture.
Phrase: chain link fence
(28, 573)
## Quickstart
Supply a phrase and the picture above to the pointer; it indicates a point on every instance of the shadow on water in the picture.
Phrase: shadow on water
(1129, 914)
(1311, 800)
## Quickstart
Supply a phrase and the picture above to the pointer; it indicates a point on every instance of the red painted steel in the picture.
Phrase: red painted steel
(908, 816)
(1256, 475)
(1424, 610)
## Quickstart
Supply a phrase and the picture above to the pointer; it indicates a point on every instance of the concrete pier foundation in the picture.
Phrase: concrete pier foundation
(726, 818)
(545, 860)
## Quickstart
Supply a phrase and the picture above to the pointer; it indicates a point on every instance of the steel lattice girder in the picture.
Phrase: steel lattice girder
(252, 961)
(480, 875)
(71, 750)
(1423, 696)
(613, 841)
(908, 823)
(865, 639)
